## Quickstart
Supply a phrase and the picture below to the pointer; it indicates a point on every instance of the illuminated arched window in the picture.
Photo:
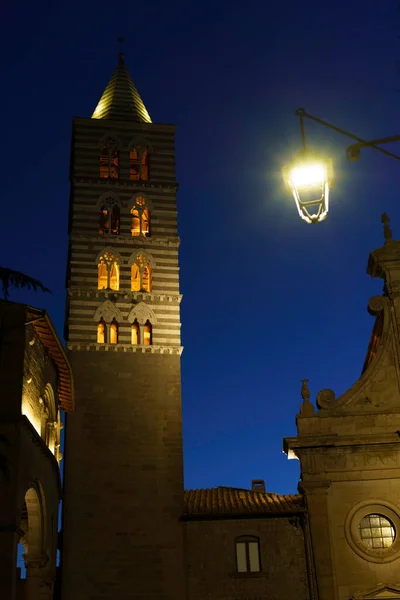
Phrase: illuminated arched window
(146, 222)
(114, 276)
(101, 332)
(141, 276)
(135, 334)
(108, 272)
(146, 278)
(135, 222)
(109, 160)
(140, 218)
(103, 276)
(114, 332)
(139, 164)
(135, 278)
(147, 334)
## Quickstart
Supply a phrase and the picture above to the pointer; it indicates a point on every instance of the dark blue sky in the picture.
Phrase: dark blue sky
(268, 299)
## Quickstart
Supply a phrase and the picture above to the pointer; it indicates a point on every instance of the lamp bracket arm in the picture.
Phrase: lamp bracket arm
(355, 148)
(300, 112)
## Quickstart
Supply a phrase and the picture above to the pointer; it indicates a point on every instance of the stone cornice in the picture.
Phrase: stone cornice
(153, 349)
(123, 296)
(125, 184)
(319, 487)
(128, 240)
(314, 442)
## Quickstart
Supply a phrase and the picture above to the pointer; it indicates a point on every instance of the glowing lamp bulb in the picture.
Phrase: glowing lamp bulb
(308, 175)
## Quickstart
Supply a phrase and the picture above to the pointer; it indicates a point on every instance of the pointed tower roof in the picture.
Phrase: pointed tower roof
(120, 100)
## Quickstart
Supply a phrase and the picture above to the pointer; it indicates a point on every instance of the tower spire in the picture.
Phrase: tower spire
(120, 100)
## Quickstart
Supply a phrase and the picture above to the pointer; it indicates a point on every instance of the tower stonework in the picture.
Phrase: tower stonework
(122, 534)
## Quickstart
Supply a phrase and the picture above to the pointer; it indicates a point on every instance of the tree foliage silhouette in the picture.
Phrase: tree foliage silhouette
(16, 279)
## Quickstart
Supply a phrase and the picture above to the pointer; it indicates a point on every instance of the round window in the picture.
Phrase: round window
(377, 531)
(372, 530)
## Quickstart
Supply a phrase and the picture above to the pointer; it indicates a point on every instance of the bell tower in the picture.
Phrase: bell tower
(123, 499)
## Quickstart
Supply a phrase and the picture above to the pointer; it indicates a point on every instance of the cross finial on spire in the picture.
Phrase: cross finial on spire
(387, 231)
(120, 53)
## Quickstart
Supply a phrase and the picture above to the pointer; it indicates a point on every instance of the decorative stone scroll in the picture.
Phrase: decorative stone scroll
(376, 305)
(325, 398)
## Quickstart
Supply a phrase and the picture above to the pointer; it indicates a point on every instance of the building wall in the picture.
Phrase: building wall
(29, 472)
(123, 478)
(357, 475)
(211, 560)
(40, 373)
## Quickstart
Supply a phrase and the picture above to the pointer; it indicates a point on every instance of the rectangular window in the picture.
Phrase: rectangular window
(241, 559)
(254, 557)
(248, 555)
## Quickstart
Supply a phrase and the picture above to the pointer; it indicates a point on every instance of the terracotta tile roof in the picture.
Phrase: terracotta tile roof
(120, 100)
(229, 502)
(50, 340)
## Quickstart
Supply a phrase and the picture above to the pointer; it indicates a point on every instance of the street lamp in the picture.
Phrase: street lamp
(310, 175)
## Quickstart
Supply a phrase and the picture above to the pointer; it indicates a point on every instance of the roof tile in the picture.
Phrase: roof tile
(226, 501)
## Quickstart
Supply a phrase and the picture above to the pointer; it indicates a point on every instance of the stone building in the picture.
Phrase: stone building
(36, 384)
(130, 531)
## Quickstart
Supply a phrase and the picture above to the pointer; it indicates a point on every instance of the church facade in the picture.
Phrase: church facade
(129, 529)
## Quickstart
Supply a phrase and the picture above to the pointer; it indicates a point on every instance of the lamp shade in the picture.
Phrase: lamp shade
(310, 177)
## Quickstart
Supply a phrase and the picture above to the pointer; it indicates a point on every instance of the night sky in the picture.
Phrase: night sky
(268, 300)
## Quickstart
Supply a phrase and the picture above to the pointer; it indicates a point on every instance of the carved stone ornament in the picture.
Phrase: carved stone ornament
(108, 310)
(306, 408)
(325, 398)
(142, 313)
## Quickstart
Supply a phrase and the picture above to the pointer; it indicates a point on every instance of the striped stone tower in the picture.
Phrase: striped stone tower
(123, 497)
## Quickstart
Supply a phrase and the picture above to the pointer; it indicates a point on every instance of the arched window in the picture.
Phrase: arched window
(51, 424)
(135, 222)
(103, 276)
(135, 278)
(146, 222)
(109, 160)
(104, 225)
(109, 212)
(248, 554)
(139, 163)
(115, 219)
(108, 272)
(141, 276)
(146, 278)
(140, 218)
(114, 276)
(114, 332)
(135, 333)
(147, 334)
(101, 332)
